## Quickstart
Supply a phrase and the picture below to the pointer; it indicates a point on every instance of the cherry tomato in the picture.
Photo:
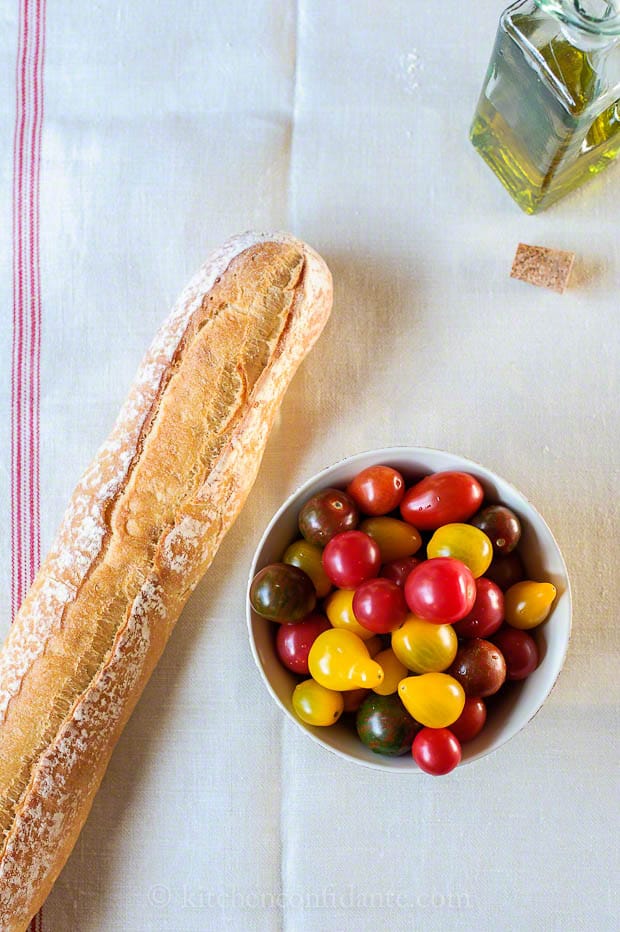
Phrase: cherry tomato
(316, 705)
(308, 558)
(325, 514)
(294, 640)
(501, 526)
(441, 590)
(379, 605)
(519, 650)
(487, 614)
(353, 699)
(398, 570)
(377, 490)
(442, 498)
(434, 699)
(395, 538)
(282, 593)
(385, 726)
(393, 672)
(424, 647)
(436, 751)
(528, 603)
(471, 720)
(506, 571)
(350, 558)
(468, 544)
(479, 667)
(339, 610)
(374, 644)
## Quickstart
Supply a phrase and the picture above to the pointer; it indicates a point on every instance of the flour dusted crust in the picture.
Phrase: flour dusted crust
(143, 525)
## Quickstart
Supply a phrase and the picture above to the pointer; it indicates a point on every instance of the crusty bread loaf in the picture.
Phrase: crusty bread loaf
(142, 527)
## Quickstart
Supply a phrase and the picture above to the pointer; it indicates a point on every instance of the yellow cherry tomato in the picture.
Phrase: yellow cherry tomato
(308, 558)
(423, 646)
(528, 603)
(433, 699)
(395, 538)
(393, 672)
(464, 542)
(339, 610)
(338, 659)
(316, 705)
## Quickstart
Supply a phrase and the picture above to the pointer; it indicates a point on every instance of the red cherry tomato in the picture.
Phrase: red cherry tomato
(443, 498)
(294, 640)
(487, 614)
(436, 751)
(379, 605)
(398, 570)
(519, 650)
(377, 490)
(471, 720)
(351, 558)
(441, 590)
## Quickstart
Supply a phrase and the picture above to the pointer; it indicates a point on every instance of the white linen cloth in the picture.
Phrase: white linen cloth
(166, 128)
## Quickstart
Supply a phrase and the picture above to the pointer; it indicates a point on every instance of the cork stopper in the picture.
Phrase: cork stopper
(547, 268)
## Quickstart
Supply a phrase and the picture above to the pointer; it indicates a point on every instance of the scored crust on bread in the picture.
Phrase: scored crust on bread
(143, 525)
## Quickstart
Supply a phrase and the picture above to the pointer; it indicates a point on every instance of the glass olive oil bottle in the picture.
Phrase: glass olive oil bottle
(548, 117)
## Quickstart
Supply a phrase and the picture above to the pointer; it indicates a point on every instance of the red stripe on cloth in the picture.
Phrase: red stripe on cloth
(26, 346)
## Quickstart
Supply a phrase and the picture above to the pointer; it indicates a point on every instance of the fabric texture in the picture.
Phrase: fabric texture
(134, 139)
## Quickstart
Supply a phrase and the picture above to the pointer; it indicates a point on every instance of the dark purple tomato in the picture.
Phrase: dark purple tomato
(519, 650)
(398, 570)
(294, 640)
(443, 498)
(379, 605)
(471, 720)
(350, 558)
(377, 490)
(479, 667)
(501, 526)
(506, 571)
(282, 593)
(441, 590)
(325, 514)
(487, 614)
(436, 751)
(385, 726)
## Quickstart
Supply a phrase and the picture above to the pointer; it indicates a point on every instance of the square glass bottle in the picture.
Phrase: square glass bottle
(548, 117)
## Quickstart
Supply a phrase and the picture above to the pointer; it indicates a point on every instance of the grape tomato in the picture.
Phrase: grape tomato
(441, 498)
(487, 614)
(379, 605)
(441, 590)
(436, 751)
(350, 558)
(325, 514)
(396, 539)
(468, 544)
(377, 490)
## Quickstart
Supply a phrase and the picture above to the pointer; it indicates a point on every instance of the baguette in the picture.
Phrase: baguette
(142, 527)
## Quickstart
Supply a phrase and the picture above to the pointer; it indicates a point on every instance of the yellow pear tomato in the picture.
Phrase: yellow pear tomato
(433, 699)
(316, 705)
(527, 604)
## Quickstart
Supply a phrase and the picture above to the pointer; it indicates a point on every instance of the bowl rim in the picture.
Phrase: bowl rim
(350, 460)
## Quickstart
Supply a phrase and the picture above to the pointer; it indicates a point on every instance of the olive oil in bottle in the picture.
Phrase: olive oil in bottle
(548, 117)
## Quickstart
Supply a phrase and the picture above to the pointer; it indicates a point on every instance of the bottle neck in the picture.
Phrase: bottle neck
(587, 24)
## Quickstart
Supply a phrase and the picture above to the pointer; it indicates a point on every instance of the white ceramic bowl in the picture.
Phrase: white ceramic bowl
(516, 704)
